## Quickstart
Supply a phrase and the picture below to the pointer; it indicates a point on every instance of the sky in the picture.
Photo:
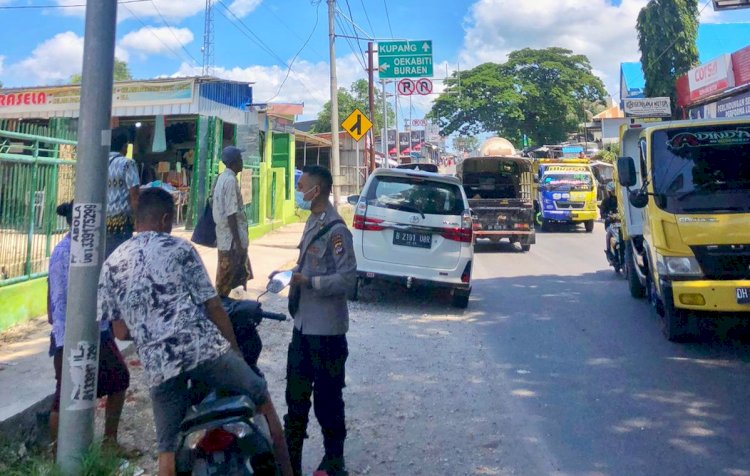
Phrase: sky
(258, 40)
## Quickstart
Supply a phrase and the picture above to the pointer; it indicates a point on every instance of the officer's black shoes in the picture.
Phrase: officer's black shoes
(333, 466)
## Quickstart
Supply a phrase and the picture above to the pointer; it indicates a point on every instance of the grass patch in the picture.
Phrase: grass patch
(94, 462)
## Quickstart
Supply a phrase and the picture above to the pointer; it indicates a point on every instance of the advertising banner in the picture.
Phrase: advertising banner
(391, 139)
(737, 106)
(404, 141)
(417, 137)
(711, 78)
(648, 107)
(67, 98)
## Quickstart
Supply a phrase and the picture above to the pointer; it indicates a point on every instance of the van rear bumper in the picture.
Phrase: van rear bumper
(414, 281)
(719, 296)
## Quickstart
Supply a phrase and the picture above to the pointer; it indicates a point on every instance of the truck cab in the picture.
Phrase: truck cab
(566, 193)
(684, 196)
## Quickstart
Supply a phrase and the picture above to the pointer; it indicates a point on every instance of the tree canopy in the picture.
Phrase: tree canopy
(356, 97)
(536, 92)
(121, 73)
(667, 33)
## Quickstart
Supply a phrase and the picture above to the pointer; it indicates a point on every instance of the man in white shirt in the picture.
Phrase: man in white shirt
(231, 226)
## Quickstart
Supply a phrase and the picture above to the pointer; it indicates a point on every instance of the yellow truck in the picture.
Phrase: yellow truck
(684, 197)
(566, 193)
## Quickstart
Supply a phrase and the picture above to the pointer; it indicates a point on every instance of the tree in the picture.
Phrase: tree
(536, 92)
(465, 143)
(667, 33)
(121, 73)
(356, 97)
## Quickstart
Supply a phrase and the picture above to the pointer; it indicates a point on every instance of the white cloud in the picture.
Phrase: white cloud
(604, 32)
(308, 82)
(53, 61)
(243, 7)
(174, 10)
(151, 40)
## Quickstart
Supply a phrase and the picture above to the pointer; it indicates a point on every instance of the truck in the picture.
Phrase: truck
(566, 193)
(499, 186)
(684, 198)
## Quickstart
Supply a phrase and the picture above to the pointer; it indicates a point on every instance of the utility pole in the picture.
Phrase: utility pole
(335, 164)
(80, 358)
(385, 128)
(208, 40)
(371, 78)
(395, 122)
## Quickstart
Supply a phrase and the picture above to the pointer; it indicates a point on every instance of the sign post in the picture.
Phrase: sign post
(405, 59)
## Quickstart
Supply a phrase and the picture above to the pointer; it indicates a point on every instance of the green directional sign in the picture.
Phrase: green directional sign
(405, 59)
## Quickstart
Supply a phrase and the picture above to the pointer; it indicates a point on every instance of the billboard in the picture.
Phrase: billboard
(736, 106)
(648, 107)
(741, 66)
(711, 78)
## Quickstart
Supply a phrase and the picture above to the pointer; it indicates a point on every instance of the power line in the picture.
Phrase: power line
(367, 16)
(677, 37)
(286, 25)
(291, 63)
(77, 5)
(388, 16)
(351, 45)
(171, 30)
(151, 30)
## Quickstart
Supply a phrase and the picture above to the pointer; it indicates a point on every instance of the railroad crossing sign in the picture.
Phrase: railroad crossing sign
(405, 59)
(357, 125)
(406, 87)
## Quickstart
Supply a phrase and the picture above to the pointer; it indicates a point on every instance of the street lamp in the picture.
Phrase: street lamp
(721, 5)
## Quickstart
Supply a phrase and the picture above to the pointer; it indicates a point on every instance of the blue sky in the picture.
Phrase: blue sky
(43, 46)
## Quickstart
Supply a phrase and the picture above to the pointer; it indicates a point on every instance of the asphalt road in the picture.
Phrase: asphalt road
(553, 369)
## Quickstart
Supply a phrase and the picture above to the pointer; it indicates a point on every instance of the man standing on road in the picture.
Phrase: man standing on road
(325, 276)
(156, 288)
(123, 185)
(231, 226)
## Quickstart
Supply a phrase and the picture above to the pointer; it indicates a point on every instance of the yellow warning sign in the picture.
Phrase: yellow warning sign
(357, 125)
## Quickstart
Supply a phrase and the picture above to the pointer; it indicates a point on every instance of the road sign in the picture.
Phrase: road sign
(406, 87)
(405, 59)
(357, 125)
(424, 86)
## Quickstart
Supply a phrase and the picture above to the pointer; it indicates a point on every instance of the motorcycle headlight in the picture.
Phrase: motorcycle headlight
(678, 266)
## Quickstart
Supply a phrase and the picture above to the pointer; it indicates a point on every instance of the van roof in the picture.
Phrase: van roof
(416, 173)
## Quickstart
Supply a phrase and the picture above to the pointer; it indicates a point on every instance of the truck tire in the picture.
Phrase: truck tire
(589, 224)
(674, 322)
(637, 290)
(546, 225)
(525, 248)
(460, 299)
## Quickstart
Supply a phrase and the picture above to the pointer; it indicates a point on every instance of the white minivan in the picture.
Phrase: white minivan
(415, 228)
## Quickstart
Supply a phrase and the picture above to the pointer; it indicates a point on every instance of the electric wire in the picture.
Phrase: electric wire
(151, 30)
(171, 30)
(367, 16)
(388, 17)
(76, 5)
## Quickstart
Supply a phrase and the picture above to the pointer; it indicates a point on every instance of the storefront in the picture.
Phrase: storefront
(177, 129)
(717, 89)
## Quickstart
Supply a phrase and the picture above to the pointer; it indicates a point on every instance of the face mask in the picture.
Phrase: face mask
(299, 197)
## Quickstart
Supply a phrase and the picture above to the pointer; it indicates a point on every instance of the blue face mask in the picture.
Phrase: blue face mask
(299, 197)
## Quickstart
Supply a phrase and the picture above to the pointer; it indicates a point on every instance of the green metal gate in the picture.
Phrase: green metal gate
(36, 174)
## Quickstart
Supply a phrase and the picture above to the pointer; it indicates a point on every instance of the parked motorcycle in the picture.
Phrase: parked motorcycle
(616, 253)
(221, 435)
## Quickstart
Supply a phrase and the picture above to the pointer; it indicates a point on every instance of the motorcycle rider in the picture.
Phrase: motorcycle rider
(608, 208)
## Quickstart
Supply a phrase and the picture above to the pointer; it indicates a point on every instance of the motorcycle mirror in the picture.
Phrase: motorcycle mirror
(279, 282)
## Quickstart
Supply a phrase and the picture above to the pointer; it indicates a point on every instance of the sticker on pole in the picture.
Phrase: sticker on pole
(357, 125)
(84, 360)
(85, 234)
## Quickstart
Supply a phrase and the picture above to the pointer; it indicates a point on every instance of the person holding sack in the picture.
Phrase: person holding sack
(234, 268)
(325, 276)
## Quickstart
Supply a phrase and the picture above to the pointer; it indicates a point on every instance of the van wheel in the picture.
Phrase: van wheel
(460, 300)
(637, 290)
(525, 248)
(589, 224)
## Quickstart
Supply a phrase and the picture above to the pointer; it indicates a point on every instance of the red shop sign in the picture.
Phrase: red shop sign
(741, 65)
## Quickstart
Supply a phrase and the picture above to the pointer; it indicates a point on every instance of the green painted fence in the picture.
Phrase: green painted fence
(36, 174)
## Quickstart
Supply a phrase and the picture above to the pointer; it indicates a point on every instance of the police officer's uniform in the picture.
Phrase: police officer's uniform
(318, 352)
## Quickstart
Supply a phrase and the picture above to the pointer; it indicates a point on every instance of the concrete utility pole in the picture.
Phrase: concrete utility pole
(385, 129)
(371, 79)
(335, 164)
(80, 359)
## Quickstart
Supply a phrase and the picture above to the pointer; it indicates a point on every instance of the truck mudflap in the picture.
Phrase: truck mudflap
(712, 296)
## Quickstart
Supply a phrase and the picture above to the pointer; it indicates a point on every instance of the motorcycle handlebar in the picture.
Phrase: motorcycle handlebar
(274, 316)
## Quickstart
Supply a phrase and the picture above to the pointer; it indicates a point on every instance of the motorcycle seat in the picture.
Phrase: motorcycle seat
(213, 409)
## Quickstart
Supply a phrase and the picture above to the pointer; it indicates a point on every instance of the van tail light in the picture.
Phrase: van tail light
(363, 223)
(465, 234)
(466, 275)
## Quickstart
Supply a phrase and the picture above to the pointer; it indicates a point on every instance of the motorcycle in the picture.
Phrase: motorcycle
(616, 253)
(220, 434)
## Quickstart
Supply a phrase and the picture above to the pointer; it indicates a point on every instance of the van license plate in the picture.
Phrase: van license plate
(415, 240)
(743, 295)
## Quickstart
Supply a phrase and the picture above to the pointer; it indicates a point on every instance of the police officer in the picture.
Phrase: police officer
(325, 276)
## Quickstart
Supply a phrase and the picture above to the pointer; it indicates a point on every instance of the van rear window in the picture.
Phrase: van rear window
(415, 194)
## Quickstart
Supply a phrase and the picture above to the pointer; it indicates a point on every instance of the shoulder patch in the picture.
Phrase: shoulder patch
(338, 244)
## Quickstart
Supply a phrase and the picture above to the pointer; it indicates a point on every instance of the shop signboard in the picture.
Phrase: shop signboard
(648, 107)
(417, 137)
(736, 106)
(391, 139)
(404, 141)
(711, 78)
(67, 98)
(741, 66)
